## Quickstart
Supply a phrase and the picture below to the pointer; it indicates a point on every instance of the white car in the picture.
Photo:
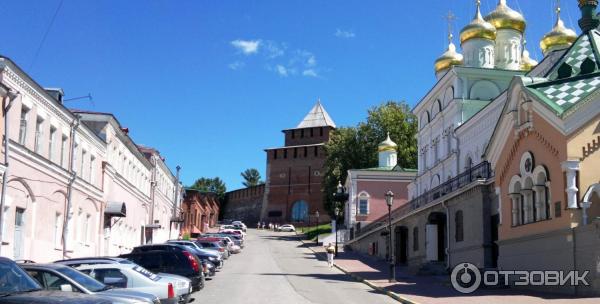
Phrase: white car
(239, 224)
(169, 289)
(287, 228)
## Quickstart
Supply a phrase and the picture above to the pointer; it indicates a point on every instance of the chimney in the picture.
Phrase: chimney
(125, 130)
(56, 93)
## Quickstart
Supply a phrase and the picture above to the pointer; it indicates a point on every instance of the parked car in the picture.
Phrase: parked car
(214, 244)
(236, 239)
(216, 258)
(239, 224)
(169, 258)
(76, 262)
(135, 277)
(64, 278)
(231, 246)
(287, 228)
(17, 287)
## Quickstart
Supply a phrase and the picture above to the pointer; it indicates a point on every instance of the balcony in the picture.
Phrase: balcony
(482, 171)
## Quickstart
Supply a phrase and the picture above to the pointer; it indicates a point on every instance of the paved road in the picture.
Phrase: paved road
(276, 268)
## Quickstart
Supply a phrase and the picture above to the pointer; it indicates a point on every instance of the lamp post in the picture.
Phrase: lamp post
(339, 198)
(317, 229)
(389, 199)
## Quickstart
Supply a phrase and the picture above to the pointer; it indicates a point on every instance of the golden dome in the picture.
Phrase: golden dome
(478, 28)
(559, 36)
(449, 58)
(387, 145)
(504, 17)
(527, 64)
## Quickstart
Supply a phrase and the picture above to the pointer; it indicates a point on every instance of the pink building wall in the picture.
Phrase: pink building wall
(377, 204)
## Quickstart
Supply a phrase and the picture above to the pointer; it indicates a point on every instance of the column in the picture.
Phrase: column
(527, 205)
(540, 202)
(515, 198)
(571, 167)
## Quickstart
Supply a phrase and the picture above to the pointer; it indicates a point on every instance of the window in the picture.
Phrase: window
(23, 125)
(57, 232)
(458, 219)
(111, 277)
(363, 206)
(293, 134)
(305, 151)
(415, 238)
(51, 142)
(316, 151)
(302, 133)
(83, 155)
(284, 153)
(91, 171)
(321, 131)
(312, 132)
(37, 147)
(557, 209)
(295, 152)
(50, 281)
(63, 148)
(275, 154)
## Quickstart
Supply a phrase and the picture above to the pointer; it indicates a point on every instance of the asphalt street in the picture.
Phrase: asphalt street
(277, 268)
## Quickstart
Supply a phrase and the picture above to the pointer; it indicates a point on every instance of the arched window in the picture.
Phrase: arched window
(299, 211)
(363, 203)
(458, 220)
(415, 238)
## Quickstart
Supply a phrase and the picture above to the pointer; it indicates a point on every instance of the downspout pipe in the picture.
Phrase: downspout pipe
(72, 178)
(447, 234)
(175, 200)
(152, 195)
(11, 95)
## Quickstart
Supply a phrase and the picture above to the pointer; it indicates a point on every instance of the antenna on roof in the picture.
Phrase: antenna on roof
(88, 96)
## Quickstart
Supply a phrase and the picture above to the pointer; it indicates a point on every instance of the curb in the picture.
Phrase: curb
(390, 294)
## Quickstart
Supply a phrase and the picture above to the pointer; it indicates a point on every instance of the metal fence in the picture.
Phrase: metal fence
(481, 171)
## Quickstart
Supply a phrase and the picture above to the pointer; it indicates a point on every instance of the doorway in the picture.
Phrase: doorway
(435, 234)
(401, 245)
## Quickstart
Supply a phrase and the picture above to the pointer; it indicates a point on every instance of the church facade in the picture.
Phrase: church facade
(293, 189)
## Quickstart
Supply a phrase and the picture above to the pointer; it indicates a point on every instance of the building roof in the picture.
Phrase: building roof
(396, 168)
(316, 117)
(573, 78)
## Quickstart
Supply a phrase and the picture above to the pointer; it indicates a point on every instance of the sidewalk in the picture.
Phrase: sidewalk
(431, 289)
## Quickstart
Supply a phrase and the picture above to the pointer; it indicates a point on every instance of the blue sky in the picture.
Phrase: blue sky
(212, 83)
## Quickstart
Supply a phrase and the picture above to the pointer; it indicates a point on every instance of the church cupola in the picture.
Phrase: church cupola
(560, 37)
(450, 57)
(388, 157)
(477, 40)
(510, 26)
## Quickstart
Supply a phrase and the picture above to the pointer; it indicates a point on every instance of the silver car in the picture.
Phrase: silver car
(170, 290)
(64, 278)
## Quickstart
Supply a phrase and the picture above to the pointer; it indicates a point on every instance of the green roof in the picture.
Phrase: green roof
(573, 78)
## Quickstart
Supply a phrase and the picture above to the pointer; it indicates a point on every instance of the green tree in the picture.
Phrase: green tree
(215, 185)
(251, 178)
(356, 147)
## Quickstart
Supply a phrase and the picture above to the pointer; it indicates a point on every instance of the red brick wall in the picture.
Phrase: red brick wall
(296, 176)
(306, 136)
(199, 208)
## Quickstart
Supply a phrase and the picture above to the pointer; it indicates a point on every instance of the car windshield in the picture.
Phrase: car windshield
(13, 279)
(147, 273)
(86, 281)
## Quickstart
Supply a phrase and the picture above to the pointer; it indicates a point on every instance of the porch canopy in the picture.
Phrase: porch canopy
(115, 209)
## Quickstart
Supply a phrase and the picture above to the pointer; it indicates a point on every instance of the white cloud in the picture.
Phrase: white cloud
(274, 49)
(281, 70)
(310, 73)
(236, 65)
(247, 47)
(344, 34)
(311, 61)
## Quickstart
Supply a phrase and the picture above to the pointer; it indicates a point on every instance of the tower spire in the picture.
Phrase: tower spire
(450, 17)
(589, 20)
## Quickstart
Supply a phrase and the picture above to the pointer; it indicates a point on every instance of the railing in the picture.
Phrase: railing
(481, 171)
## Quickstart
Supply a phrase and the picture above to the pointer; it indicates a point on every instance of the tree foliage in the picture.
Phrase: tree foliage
(215, 185)
(251, 178)
(356, 147)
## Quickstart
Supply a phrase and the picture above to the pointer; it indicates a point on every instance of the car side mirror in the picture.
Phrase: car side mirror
(66, 287)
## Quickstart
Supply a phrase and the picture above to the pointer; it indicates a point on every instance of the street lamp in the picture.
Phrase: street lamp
(389, 199)
(317, 229)
(339, 198)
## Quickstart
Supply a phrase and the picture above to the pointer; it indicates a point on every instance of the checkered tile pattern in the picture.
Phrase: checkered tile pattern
(567, 94)
(581, 50)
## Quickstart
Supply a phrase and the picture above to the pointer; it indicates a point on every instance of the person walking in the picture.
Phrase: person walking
(330, 249)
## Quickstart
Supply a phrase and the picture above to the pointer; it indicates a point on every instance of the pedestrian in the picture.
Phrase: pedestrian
(258, 225)
(330, 249)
